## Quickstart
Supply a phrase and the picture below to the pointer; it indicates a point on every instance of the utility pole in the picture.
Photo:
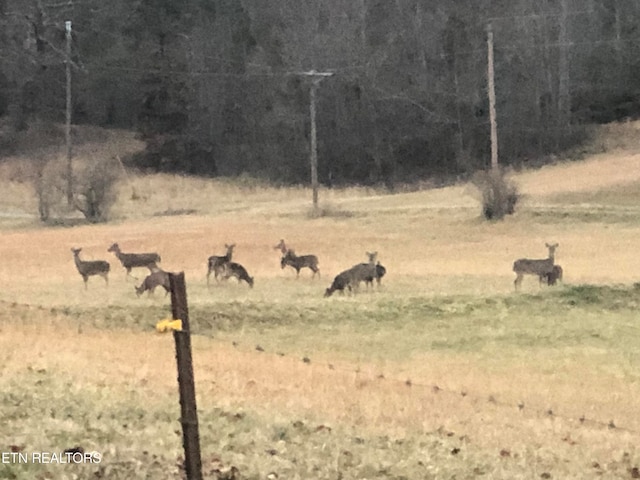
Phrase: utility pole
(492, 99)
(317, 77)
(68, 116)
(564, 102)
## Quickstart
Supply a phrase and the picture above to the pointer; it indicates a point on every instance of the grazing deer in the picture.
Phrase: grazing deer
(298, 262)
(554, 275)
(362, 272)
(343, 280)
(133, 260)
(217, 264)
(158, 278)
(90, 268)
(540, 268)
(233, 269)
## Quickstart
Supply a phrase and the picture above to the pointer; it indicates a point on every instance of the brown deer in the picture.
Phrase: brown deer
(380, 272)
(298, 262)
(90, 268)
(350, 279)
(217, 264)
(340, 282)
(133, 260)
(158, 278)
(539, 267)
(554, 275)
(282, 247)
(233, 269)
(289, 258)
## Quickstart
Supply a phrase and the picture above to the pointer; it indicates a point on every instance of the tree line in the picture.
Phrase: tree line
(219, 87)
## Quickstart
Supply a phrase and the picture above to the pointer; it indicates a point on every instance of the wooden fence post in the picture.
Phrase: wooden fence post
(186, 383)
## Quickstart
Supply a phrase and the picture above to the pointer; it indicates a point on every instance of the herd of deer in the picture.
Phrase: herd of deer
(224, 268)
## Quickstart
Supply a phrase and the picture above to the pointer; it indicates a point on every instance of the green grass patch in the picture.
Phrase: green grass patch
(383, 327)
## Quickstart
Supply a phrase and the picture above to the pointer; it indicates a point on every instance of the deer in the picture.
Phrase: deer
(233, 269)
(380, 272)
(367, 272)
(90, 268)
(289, 258)
(282, 247)
(541, 268)
(554, 275)
(340, 282)
(158, 278)
(298, 262)
(217, 264)
(351, 278)
(133, 260)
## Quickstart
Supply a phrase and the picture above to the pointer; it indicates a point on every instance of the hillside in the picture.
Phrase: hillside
(442, 371)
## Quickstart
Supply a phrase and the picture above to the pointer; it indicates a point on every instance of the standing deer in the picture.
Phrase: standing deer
(217, 264)
(298, 262)
(368, 271)
(133, 260)
(90, 268)
(282, 247)
(289, 258)
(541, 268)
(380, 272)
(555, 275)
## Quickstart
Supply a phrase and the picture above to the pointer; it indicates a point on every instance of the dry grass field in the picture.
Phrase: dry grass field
(443, 372)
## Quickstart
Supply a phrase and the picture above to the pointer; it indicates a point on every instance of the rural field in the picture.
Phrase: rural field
(442, 372)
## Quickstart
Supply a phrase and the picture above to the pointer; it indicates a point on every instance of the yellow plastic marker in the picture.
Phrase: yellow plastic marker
(169, 324)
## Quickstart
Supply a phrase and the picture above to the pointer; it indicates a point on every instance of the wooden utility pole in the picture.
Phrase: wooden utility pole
(492, 99)
(68, 116)
(186, 382)
(317, 77)
(314, 141)
(564, 102)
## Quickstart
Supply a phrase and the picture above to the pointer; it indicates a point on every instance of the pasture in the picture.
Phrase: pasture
(443, 372)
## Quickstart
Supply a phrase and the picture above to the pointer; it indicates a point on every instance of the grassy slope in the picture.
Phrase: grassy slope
(422, 379)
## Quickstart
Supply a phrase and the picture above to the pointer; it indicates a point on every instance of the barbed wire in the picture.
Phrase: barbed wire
(523, 405)
(411, 384)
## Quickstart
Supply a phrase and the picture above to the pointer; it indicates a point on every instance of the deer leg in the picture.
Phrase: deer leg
(517, 281)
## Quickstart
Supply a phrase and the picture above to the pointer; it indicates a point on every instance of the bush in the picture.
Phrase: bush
(94, 190)
(499, 194)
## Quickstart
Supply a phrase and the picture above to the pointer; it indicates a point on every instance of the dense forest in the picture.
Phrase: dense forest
(222, 87)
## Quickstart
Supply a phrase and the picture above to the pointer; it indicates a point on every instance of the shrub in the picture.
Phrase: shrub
(94, 190)
(499, 194)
